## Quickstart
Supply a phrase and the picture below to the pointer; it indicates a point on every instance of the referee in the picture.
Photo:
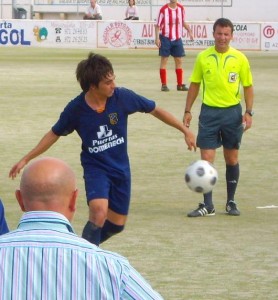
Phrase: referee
(221, 71)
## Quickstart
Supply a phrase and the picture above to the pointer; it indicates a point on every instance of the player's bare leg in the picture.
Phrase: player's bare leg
(163, 62)
(231, 156)
(98, 209)
(208, 154)
(103, 222)
(178, 62)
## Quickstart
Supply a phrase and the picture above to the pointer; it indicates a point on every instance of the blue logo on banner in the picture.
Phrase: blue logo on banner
(13, 36)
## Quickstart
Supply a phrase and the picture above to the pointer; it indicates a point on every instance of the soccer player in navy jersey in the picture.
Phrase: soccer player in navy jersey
(99, 115)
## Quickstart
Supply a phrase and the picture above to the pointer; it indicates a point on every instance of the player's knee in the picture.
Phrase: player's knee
(98, 215)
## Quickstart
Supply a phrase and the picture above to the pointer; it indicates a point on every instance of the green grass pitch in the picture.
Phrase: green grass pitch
(219, 258)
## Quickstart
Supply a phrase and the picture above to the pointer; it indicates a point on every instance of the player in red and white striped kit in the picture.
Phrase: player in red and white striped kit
(168, 31)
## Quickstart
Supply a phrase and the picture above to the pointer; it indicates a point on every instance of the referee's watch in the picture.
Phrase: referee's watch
(250, 112)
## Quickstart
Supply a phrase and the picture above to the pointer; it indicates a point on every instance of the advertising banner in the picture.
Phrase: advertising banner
(269, 36)
(187, 3)
(48, 33)
(126, 34)
(205, 3)
(247, 36)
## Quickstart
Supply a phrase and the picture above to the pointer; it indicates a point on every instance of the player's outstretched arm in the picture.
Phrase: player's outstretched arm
(170, 120)
(45, 143)
(190, 139)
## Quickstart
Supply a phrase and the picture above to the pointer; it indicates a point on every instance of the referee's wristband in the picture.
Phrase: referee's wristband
(187, 112)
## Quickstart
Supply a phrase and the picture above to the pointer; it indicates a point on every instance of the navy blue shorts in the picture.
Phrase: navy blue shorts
(220, 127)
(168, 47)
(99, 184)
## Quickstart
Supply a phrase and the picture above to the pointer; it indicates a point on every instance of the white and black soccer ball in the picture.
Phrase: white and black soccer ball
(201, 176)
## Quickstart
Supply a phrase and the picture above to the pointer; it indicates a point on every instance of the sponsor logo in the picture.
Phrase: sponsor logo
(240, 27)
(104, 132)
(268, 32)
(10, 35)
(117, 34)
(40, 33)
(106, 140)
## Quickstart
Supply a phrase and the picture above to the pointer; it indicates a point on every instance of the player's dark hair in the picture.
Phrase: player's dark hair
(222, 22)
(92, 70)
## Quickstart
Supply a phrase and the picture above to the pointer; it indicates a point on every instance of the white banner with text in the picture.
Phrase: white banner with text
(126, 34)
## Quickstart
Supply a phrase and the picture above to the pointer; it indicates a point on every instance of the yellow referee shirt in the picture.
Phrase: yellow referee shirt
(221, 76)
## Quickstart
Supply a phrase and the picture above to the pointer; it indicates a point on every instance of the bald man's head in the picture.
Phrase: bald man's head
(47, 184)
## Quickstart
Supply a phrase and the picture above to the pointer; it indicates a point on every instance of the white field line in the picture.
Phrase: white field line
(268, 206)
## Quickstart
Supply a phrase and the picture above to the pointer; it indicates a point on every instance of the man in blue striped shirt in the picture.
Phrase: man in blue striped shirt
(44, 259)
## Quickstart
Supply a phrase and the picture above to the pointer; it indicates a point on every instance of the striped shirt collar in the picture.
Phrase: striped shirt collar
(43, 220)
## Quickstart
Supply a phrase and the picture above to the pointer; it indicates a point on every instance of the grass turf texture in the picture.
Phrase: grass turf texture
(183, 258)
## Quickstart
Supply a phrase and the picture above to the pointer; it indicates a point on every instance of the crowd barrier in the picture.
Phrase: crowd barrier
(126, 34)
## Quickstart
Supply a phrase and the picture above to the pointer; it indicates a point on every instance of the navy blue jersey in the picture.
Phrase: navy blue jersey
(103, 135)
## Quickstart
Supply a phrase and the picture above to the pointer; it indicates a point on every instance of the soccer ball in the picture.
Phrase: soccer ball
(201, 176)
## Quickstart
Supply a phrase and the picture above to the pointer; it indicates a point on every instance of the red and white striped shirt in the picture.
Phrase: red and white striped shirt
(170, 21)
